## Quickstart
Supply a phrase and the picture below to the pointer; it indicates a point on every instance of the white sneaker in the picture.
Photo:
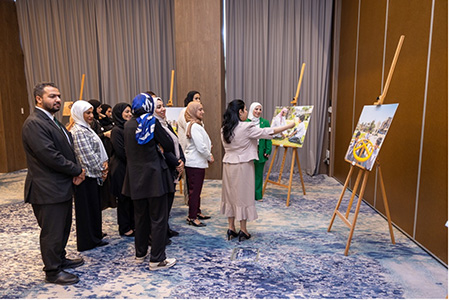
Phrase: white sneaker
(167, 263)
(140, 260)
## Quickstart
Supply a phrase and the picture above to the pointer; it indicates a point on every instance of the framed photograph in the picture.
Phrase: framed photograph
(283, 115)
(369, 134)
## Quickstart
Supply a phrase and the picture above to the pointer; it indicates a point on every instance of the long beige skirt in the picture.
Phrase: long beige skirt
(238, 191)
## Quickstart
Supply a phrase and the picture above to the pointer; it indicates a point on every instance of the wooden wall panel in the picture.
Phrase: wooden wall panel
(399, 155)
(14, 107)
(432, 203)
(200, 65)
(344, 107)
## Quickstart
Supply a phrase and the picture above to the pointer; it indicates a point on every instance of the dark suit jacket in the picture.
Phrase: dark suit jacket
(51, 160)
(147, 174)
(171, 159)
(118, 162)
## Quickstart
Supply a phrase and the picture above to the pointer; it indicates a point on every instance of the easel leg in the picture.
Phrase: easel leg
(360, 197)
(300, 171)
(341, 197)
(294, 153)
(270, 169)
(282, 165)
(355, 188)
(386, 206)
(181, 186)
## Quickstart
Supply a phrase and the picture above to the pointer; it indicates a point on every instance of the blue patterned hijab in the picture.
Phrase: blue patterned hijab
(144, 107)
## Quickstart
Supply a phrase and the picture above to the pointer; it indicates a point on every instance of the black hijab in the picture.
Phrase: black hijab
(117, 113)
(95, 103)
(105, 121)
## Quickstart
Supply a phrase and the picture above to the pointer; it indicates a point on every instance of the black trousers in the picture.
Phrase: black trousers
(125, 214)
(88, 214)
(150, 214)
(55, 221)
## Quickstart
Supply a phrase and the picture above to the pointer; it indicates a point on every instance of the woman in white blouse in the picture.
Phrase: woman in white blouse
(198, 154)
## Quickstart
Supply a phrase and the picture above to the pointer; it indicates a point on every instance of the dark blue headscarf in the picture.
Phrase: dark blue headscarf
(144, 107)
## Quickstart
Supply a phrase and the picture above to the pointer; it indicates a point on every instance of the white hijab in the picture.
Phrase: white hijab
(165, 125)
(250, 113)
(77, 112)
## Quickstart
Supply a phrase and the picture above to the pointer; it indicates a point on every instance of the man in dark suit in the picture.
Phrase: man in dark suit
(52, 172)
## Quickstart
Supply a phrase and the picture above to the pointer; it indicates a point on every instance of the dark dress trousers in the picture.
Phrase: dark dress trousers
(147, 182)
(117, 167)
(48, 186)
(172, 162)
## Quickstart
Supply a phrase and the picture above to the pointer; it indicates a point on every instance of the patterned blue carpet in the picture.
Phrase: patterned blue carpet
(290, 254)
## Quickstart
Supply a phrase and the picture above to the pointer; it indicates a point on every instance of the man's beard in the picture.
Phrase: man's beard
(52, 109)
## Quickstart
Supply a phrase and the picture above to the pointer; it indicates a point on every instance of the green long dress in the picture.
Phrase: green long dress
(264, 147)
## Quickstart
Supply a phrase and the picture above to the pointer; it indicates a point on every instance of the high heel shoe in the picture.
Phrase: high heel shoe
(243, 236)
(192, 222)
(231, 234)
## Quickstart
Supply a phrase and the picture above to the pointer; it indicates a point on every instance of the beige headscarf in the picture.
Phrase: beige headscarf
(191, 116)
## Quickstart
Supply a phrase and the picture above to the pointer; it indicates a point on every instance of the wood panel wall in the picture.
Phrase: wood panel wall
(14, 107)
(414, 166)
(200, 65)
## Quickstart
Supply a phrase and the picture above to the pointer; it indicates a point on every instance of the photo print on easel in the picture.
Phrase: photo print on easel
(172, 114)
(369, 134)
(283, 115)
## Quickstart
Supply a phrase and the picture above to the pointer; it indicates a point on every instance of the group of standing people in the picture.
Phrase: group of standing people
(142, 161)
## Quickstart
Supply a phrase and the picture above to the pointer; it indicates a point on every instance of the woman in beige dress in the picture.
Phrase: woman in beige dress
(239, 139)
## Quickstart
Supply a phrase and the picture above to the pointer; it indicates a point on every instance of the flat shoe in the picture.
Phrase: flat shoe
(203, 217)
(192, 222)
(102, 243)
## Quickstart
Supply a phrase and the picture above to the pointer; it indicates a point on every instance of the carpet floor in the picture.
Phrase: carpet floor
(290, 253)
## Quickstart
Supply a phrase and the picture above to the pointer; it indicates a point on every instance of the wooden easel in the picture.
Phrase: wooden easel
(294, 155)
(294, 159)
(365, 174)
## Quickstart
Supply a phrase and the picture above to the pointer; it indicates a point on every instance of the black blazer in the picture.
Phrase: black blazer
(50, 158)
(171, 158)
(147, 174)
(118, 162)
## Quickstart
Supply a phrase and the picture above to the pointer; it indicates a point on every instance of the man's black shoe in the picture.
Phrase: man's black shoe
(63, 278)
(72, 263)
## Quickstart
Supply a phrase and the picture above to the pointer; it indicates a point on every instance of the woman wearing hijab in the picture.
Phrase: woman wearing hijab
(148, 180)
(264, 147)
(105, 116)
(175, 160)
(198, 155)
(239, 139)
(104, 132)
(181, 123)
(93, 158)
(280, 120)
(118, 164)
